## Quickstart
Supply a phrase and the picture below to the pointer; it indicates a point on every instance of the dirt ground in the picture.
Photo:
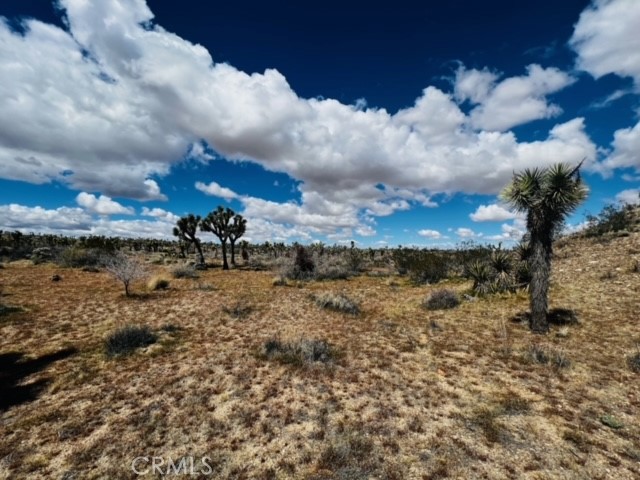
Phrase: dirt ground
(462, 393)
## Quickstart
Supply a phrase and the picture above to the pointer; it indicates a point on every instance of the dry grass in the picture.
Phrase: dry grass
(416, 393)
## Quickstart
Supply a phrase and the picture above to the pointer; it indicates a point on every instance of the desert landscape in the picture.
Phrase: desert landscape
(319, 241)
(248, 376)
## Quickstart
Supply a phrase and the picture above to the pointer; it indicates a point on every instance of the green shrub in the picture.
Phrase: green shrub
(422, 266)
(612, 218)
(78, 257)
(126, 340)
(442, 300)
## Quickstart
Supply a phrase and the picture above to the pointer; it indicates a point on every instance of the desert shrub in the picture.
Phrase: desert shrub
(184, 271)
(634, 362)
(158, 282)
(562, 316)
(354, 260)
(611, 421)
(239, 310)
(422, 266)
(333, 267)
(612, 218)
(303, 262)
(256, 264)
(303, 352)
(42, 254)
(441, 300)
(325, 267)
(204, 287)
(539, 354)
(78, 257)
(126, 340)
(337, 302)
(536, 354)
(125, 269)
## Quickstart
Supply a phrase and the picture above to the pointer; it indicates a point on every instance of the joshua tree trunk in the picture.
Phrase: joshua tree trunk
(199, 248)
(540, 262)
(225, 265)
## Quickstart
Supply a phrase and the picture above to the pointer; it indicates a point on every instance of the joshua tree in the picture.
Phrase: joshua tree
(547, 196)
(236, 230)
(186, 229)
(218, 223)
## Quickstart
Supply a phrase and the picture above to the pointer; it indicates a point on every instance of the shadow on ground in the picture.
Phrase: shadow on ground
(14, 369)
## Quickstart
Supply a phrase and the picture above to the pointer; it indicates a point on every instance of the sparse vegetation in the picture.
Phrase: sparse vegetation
(303, 352)
(611, 422)
(612, 218)
(398, 392)
(536, 353)
(125, 269)
(238, 310)
(158, 282)
(442, 299)
(126, 340)
(184, 271)
(634, 362)
(422, 266)
(79, 257)
(338, 302)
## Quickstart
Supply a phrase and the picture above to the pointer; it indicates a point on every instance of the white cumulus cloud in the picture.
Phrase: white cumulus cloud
(606, 39)
(102, 205)
(429, 233)
(493, 213)
(216, 190)
(514, 100)
(467, 233)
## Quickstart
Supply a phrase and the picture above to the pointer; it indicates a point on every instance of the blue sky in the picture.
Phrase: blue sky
(386, 125)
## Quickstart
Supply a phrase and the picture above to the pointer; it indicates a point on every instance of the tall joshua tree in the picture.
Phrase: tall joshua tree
(237, 229)
(547, 196)
(219, 223)
(186, 229)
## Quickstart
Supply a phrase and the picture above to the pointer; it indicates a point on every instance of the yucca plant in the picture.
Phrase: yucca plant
(480, 273)
(502, 266)
(547, 196)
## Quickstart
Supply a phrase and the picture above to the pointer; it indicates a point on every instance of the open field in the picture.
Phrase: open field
(411, 393)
